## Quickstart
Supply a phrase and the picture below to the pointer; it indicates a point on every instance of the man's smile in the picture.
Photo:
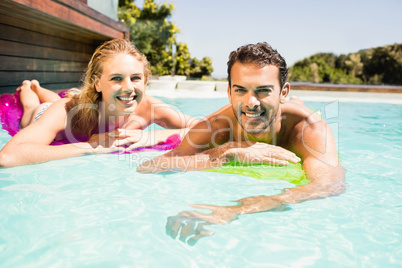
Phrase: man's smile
(253, 114)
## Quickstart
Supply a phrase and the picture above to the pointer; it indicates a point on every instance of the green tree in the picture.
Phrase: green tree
(383, 64)
(201, 68)
(182, 61)
(380, 65)
(154, 34)
(300, 73)
(340, 61)
(324, 68)
(354, 65)
(151, 31)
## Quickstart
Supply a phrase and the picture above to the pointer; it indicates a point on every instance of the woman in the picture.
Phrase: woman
(109, 112)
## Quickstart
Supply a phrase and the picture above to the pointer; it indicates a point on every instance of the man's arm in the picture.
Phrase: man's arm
(209, 132)
(315, 144)
(210, 144)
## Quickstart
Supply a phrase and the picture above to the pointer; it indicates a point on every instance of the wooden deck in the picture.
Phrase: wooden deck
(50, 40)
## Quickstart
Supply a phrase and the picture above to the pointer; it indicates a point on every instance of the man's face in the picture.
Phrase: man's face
(255, 95)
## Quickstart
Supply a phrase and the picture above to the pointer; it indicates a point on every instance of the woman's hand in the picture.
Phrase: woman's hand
(104, 143)
(134, 138)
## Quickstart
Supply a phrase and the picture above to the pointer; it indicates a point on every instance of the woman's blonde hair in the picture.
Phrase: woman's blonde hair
(83, 109)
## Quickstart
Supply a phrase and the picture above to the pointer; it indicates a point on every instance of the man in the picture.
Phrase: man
(258, 126)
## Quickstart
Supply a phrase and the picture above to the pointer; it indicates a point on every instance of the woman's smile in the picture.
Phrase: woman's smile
(127, 100)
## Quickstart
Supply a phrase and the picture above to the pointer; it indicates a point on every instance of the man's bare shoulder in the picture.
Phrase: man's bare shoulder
(222, 117)
(296, 110)
(224, 111)
(304, 124)
(297, 116)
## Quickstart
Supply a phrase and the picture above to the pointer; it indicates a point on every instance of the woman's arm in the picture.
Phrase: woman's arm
(32, 144)
(167, 117)
(136, 138)
(153, 110)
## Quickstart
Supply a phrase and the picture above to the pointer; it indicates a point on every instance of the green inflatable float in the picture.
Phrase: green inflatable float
(292, 173)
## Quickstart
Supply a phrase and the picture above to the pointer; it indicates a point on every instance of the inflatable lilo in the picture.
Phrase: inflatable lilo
(292, 173)
(11, 112)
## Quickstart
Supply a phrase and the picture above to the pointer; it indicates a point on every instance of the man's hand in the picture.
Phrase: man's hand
(244, 152)
(189, 225)
(258, 153)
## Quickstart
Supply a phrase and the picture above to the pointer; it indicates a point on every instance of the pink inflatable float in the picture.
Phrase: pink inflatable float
(11, 113)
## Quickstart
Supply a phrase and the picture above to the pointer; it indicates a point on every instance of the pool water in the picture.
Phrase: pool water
(97, 211)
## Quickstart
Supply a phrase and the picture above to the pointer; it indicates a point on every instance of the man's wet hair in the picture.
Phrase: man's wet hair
(261, 54)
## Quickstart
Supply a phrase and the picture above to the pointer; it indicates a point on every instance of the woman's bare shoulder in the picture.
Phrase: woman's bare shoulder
(151, 99)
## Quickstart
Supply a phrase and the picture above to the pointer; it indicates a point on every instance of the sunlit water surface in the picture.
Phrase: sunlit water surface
(97, 211)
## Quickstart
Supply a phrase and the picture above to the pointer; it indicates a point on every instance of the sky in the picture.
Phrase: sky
(296, 28)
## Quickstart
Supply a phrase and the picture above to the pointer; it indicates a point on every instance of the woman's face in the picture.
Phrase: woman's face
(122, 83)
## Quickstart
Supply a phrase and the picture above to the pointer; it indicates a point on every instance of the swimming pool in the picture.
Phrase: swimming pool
(97, 211)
